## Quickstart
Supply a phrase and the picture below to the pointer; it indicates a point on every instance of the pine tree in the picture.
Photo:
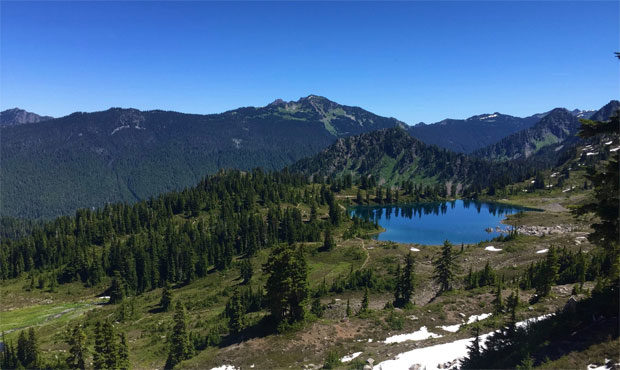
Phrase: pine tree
(166, 297)
(445, 268)
(180, 348)
(287, 284)
(407, 279)
(498, 304)
(549, 273)
(236, 313)
(123, 353)
(317, 309)
(245, 270)
(474, 352)
(328, 240)
(99, 352)
(117, 289)
(110, 346)
(365, 301)
(398, 289)
(78, 352)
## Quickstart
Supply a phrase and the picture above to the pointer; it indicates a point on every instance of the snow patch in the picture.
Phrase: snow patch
(492, 249)
(591, 153)
(451, 328)
(609, 142)
(489, 116)
(421, 334)
(225, 367)
(414, 249)
(614, 149)
(350, 357)
(542, 251)
(438, 355)
(473, 318)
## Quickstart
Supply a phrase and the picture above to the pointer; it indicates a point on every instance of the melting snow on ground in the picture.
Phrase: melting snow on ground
(602, 367)
(225, 367)
(434, 356)
(350, 357)
(421, 334)
(492, 249)
(474, 318)
(414, 249)
(451, 328)
(614, 149)
(609, 142)
(591, 153)
(542, 251)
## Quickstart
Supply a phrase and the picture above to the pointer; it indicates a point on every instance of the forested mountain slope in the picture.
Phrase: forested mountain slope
(89, 159)
(392, 156)
(467, 135)
(555, 132)
(18, 116)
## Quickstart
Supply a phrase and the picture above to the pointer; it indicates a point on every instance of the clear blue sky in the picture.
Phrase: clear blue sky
(416, 61)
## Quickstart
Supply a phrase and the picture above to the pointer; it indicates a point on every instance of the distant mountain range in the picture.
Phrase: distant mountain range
(556, 130)
(89, 159)
(467, 135)
(477, 132)
(18, 116)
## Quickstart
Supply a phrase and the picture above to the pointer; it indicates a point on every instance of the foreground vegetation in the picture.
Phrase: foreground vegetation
(259, 268)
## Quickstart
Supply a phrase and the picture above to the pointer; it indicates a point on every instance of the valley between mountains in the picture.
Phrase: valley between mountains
(151, 240)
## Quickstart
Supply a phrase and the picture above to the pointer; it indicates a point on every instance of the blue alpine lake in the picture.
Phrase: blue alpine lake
(459, 221)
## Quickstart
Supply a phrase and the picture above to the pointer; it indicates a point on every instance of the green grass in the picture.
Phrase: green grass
(40, 314)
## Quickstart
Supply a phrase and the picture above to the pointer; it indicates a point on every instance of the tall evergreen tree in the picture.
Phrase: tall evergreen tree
(166, 297)
(365, 302)
(123, 353)
(78, 352)
(498, 303)
(180, 346)
(445, 268)
(236, 313)
(287, 286)
(117, 288)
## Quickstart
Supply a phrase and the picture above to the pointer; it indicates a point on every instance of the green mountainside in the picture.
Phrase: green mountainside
(467, 135)
(555, 132)
(90, 159)
(393, 157)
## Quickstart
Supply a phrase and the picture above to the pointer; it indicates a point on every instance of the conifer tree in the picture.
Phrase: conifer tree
(117, 289)
(166, 297)
(180, 347)
(398, 290)
(549, 274)
(365, 302)
(317, 308)
(407, 279)
(474, 352)
(245, 270)
(498, 303)
(445, 268)
(328, 240)
(287, 285)
(348, 311)
(99, 350)
(236, 313)
(78, 352)
(123, 353)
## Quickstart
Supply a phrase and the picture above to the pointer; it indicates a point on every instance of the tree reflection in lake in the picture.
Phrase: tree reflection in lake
(460, 221)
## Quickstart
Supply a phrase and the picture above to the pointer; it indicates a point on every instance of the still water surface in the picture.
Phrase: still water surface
(460, 221)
